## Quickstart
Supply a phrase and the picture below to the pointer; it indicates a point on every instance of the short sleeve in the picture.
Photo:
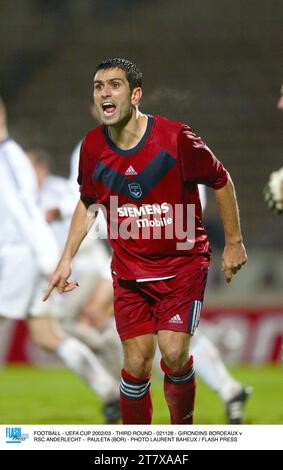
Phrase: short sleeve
(86, 168)
(199, 164)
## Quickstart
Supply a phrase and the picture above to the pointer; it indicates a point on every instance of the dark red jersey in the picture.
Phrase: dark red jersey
(153, 183)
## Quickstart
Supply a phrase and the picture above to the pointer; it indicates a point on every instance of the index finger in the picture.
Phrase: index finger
(229, 275)
(50, 288)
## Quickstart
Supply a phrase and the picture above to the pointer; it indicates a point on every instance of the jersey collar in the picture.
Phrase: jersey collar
(135, 149)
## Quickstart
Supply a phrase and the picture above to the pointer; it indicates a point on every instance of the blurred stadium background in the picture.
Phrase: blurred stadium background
(215, 66)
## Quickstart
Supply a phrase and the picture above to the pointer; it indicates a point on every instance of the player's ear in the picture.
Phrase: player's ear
(136, 96)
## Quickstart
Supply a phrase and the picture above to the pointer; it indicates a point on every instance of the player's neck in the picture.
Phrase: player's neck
(127, 136)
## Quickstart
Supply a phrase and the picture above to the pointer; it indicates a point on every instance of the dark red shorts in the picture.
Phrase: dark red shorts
(147, 307)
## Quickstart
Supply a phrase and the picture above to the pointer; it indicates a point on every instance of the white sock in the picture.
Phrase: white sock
(210, 367)
(88, 335)
(111, 355)
(105, 344)
(81, 360)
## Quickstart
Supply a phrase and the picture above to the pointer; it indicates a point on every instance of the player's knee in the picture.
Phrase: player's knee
(38, 339)
(175, 357)
(138, 365)
(42, 337)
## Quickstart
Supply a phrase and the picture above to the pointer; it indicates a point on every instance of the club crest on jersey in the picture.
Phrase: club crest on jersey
(135, 190)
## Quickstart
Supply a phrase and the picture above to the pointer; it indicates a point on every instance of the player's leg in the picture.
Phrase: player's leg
(178, 312)
(107, 348)
(136, 327)
(92, 322)
(92, 311)
(103, 341)
(135, 396)
(97, 318)
(46, 333)
(111, 356)
(105, 344)
(179, 378)
(85, 333)
(99, 306)
(210, 367)
(16, 288)
(95, 327)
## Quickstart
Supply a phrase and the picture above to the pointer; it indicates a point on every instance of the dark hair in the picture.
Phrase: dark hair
(134, 76)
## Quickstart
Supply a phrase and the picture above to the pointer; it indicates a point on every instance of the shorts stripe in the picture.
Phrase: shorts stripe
(194, 316)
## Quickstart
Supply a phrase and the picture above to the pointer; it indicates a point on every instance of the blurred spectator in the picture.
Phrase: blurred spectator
(280, 101)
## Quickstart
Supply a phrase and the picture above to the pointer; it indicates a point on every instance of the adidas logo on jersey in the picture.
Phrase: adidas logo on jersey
(130, 171)
(176, 319)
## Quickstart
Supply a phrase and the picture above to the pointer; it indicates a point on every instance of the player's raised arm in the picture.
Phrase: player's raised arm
(234, 254)
(81, 221)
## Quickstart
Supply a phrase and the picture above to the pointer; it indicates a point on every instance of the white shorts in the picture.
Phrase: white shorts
(18, 278)
(22, 286)
(51, 307)
(91, 264)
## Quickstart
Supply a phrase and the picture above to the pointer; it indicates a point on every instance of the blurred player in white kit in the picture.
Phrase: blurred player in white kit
(28, 254)
(87, 312)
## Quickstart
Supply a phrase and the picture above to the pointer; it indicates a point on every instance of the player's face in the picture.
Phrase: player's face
(114, 101)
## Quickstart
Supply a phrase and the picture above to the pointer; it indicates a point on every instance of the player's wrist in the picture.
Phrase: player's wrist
(233, 240)
(65, 261)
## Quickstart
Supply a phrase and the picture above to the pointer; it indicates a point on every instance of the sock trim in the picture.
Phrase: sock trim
(134, 391)
(188, 377)
(133, 388)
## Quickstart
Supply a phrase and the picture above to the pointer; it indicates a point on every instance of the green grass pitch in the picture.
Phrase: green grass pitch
(30, 395)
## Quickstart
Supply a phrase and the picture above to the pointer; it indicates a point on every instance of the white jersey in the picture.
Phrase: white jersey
(74, 165)
(28, 248)
(91, 263)
(56, 193)
(92, 256)
(22, 222)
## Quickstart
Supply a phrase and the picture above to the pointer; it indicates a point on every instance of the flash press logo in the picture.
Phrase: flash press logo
(15, 436)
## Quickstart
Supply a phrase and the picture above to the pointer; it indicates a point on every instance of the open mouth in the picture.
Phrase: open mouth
(108, 108)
